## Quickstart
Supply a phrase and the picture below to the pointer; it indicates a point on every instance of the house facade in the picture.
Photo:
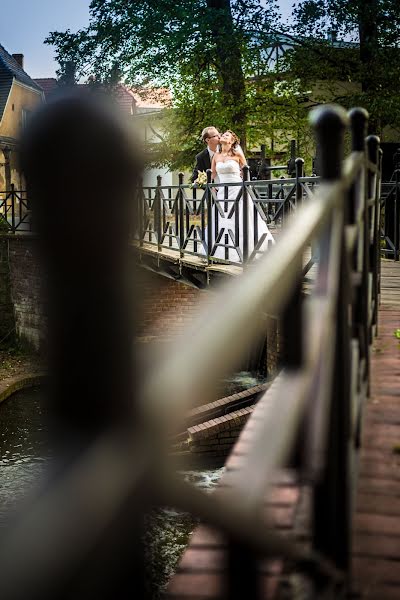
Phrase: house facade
(19, 97)
(144, 114)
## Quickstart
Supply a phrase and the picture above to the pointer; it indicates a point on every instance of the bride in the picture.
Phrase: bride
(227, 164)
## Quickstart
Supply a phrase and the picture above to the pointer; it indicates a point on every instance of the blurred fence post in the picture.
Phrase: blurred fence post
(89, 275)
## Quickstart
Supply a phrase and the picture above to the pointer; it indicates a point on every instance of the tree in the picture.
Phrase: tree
(200, 49)
(364, 69)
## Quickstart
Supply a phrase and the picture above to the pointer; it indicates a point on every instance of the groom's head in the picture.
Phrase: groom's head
(210, 136)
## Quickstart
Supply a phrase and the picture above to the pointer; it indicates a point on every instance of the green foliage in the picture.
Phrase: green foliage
(364, 69)
(209, 53)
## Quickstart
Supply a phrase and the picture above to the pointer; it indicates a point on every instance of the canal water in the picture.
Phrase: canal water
(24, 454)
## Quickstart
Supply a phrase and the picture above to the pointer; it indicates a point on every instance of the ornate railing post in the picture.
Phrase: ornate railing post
(358, 205)
(209, 216)
(332, 496)
(12, 196)
(181, 209)
(299, 173)
(246, 178)
(140, 211)
(373, 145)
(157, 212)
(396, 215)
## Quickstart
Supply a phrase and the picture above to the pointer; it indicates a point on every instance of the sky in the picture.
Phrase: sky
(24, 24)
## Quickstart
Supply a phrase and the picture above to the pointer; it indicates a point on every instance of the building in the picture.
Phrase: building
(142, 111)
(19, 96)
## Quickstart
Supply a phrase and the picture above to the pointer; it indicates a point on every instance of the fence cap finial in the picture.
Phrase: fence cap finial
(329, 116)
(373, 146)
(329, 123)
(359, 119)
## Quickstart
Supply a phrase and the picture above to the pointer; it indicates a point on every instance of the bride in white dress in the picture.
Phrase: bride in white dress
(228, 242)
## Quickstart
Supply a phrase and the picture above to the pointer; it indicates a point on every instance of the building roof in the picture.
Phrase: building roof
(123, 95)
(10, 70)
(48, 85)
(131, 102)
(151, 100)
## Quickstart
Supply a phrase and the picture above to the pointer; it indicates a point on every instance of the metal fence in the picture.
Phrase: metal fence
(15, 211)
(235, 222)
(80, 538)
(390, 209)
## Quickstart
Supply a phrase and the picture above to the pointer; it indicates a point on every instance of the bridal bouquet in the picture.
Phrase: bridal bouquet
(201, 179)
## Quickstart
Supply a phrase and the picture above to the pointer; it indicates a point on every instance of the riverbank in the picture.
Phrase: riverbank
(16, 363)
(19, 370)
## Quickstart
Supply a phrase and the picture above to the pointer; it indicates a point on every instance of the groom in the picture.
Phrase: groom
(210, 136)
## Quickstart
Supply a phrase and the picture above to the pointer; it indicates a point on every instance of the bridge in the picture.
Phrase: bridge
(315, 465)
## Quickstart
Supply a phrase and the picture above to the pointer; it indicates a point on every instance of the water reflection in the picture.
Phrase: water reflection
(24, 453)
(168, 531)
(23, 447)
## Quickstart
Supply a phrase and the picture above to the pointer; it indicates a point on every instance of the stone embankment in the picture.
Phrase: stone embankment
(212, 429)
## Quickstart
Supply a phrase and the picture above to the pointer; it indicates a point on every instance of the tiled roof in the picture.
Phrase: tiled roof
(130, 101)
(123, 96)
(9, 70)
(153, 99)
(48, 85)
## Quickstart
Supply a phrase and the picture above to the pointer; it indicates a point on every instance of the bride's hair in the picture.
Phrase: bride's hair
(235, 143)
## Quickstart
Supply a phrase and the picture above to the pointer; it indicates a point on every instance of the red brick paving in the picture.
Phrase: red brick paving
(376, 523)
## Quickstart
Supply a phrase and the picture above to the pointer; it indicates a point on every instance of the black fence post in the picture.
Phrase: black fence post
(246, 178)
(93, 390)
(140, 212)
(209, 216)
(157, 212)
(358, 202)
(396, 216)
(373, 145)
(181, 215)
(332, 491)
(299, 174)
(12, 196)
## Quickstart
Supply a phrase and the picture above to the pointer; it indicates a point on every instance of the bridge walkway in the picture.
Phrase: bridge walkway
(376, 524)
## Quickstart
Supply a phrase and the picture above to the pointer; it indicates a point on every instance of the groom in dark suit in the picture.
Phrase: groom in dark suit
(210, 136)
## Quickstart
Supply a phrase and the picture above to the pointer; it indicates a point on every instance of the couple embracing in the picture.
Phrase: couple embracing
(224, 156)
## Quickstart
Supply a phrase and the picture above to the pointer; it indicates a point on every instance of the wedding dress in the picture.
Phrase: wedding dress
(228, 215)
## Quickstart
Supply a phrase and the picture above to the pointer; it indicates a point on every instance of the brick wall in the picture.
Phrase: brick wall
(26, 289)
(216, 437)
(7, 321)
(168, 306)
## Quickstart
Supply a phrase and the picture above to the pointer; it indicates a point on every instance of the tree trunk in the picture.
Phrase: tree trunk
(228, 63)
(368, 12)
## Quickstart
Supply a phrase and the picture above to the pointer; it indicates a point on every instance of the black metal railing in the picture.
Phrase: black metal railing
(82, 534)
(15, 211)
(390, 225)
(233, 222)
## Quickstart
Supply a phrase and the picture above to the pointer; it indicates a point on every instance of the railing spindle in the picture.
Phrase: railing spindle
(246, 177)
(373, 145)
(181, 201)
(157, 212)
(209, 203)
(331, 526)
(299, 173)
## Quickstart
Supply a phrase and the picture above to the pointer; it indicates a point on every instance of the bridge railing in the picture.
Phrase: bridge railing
(219, 222)
(83, 532)
(390, 207)
(15, 211)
